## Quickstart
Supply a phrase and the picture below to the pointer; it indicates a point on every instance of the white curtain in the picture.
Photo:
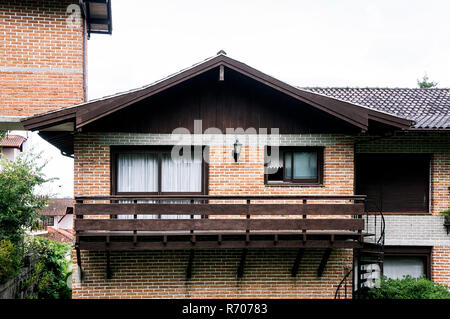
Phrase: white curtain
(181, 175)
(139, 173)
(398, 267)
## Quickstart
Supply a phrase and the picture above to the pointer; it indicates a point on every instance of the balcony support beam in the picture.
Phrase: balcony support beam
(189, 265)
(323, 262)
(108, 265)
(240, 270)
(80, 269)
(297, 261)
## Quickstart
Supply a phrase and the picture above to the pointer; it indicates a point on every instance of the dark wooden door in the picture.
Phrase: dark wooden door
(393, 182)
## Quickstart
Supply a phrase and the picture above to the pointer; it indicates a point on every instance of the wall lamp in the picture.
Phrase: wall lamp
(236, 151)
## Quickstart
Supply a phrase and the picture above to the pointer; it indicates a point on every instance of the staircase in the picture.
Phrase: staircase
(368, 260)
(368, 268)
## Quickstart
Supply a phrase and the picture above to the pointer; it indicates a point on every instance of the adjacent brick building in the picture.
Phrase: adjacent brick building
(43, 64)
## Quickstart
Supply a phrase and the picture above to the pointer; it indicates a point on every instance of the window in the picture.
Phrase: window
(396, 183)
(153, 171)
(294, 165)
(400, 261)
(48, 221)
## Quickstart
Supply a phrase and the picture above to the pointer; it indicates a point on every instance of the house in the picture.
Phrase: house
(220, 181)
(59, 213)
(12, 145)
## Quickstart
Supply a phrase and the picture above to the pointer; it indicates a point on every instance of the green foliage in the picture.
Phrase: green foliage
(446, 212)
(10, 260)
(425, 83)
(18, 201)
(52, 269)
(409, 288)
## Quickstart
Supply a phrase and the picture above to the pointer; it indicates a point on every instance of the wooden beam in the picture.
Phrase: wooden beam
(213, 244)
(297, 261)
(108, 265)
(80, 269)
(218, 224)
(189, 265)
(220, 209)
(240, 270)
(323, 262)
(221, 73)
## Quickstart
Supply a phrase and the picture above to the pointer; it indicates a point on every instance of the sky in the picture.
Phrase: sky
(304, 43)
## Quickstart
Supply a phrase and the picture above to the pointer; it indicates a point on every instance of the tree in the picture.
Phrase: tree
(425, 83)
(18, 201)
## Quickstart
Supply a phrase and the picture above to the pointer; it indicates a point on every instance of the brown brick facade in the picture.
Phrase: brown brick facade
(440, 261)
(42, 57)
(161, 274)
(267, 274)
(440, 171)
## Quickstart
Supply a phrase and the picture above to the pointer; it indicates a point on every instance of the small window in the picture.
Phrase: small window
(294, 165)
(47, 221)
(404, 261)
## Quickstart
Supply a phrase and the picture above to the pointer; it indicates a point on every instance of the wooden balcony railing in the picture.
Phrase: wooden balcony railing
(219, 222)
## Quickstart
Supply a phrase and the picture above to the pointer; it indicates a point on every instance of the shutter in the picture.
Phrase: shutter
(396, 183)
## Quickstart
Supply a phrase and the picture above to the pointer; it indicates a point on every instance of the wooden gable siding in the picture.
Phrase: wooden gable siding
(236, 102)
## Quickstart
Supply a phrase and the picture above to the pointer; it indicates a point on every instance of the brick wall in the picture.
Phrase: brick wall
(161, 274)
(41, 66)
(440, 267)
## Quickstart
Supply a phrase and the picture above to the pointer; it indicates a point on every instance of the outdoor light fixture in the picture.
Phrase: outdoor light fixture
(237, 150)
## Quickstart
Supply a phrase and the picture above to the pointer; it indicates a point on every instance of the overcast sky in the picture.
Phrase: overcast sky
(304, 43)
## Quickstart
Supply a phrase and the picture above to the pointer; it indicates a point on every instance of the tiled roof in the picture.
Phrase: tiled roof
(12, 141)
(57, 207)
(429, 108)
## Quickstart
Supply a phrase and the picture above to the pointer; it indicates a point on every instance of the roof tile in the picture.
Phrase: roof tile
(429, 108)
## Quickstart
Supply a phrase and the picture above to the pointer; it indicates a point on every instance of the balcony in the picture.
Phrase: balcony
(214, 222)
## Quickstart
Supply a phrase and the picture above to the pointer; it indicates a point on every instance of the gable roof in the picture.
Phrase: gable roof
(429, 108)
(14, 141)
(91, 111)
(58, 207)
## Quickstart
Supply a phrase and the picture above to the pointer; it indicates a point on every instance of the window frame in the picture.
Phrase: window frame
(426, 157)
(116, 150)
(48, 221)
(424, 252)
(295, 181)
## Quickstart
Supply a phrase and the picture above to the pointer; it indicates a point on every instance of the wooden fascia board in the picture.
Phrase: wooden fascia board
(44, 121)
(390, 119)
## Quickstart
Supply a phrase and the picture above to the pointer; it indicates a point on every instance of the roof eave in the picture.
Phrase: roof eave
(89, 112)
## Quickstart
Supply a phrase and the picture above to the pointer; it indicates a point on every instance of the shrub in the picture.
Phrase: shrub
(10, 260)
(52, 269)
(409, 288)
(446, 212)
